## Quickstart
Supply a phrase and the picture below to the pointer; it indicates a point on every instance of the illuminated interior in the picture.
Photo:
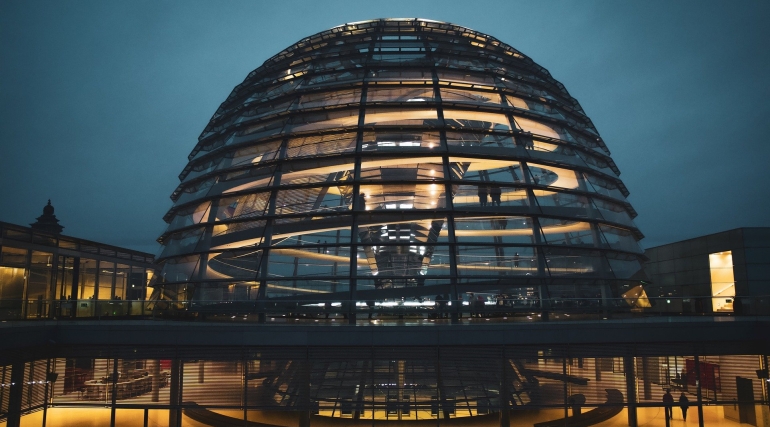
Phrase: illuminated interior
(722, 281)
(398, 156)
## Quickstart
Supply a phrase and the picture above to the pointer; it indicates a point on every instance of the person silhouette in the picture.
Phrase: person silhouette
(668, 403)
(684, 403)
(482, 195)
(495, 194)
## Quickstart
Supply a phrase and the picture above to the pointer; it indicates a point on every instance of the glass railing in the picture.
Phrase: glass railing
(482, 309)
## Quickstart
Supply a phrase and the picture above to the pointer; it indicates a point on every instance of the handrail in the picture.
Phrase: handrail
(322, 307)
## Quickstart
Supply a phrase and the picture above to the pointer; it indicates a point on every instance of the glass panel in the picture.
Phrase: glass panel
(181, 242)
(247, 179)
(319, 171)
(476, 169)
(39, 283)
(13, 256)
(245, 206)
(624, 266)
(386, 76)
(400, 249)
(462, 79)
(402, 266)
(473, 195)
(262, 152)
(461, 139)
(196, 190)
(613, 212)
(262, 109)
(319, 241)
(221, 230)
(539, 107)
(403, 197)
(399, 142)
(329, 99)
(497, 230)
(565, 204)
(203, 376)
(136, 286)
(376, 116)
(383, 95)
(122, 273)
(347, 76)
(544, 129)
(180, 269)
(309, 290)
(321, 200)
(257, 131)
(553, 176)
(106, 271)
(496, 260)
(524, 88)
(619, 238)
(322, 145)
(464, 96)
(64, 278)
(574, 262)
(325, 120)
(332, 261)
(190, 216)
(565, 232)
(401, 169)
(237, 264)
(87, 280)
(603, 186)
(476, 120)
(11, 291)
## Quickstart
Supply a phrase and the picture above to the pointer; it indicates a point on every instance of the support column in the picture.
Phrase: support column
(75, 288)
(114, 390)
(565, 391)
(15, 395)
(699, 399)
(598, 368)
(175, 412)
(628, 369)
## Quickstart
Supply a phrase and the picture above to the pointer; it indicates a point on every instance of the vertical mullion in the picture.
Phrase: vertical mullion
(356, 203)
(448, 192)
(267, 233)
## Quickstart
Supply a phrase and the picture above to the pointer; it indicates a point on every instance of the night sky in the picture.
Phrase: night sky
(101, 102)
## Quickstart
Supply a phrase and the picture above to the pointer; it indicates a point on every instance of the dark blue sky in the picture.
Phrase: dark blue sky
(102, 101)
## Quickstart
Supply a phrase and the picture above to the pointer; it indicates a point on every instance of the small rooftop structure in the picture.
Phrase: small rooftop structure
(48, 221)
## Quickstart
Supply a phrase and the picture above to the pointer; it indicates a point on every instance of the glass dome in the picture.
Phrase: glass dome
(399, 162)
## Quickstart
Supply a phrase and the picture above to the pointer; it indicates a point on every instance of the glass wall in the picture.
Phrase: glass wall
(49, 276)
(410, 159)
(483, 385)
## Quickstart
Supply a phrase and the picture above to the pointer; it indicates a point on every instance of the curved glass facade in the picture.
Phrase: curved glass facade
(400, 161)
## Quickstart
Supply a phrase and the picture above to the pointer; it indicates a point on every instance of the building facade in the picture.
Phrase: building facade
(727, 272)
(46, 275)
(393, 222)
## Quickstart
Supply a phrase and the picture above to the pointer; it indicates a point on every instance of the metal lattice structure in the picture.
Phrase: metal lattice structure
(399, 159)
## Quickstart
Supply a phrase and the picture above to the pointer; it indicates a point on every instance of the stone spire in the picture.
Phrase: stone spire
(47, 221)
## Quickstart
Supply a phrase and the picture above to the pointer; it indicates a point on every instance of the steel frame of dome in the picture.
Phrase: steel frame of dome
(340, 151)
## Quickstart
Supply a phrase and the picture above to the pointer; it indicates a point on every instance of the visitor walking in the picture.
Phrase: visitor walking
(668, 403)
(684, 403)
